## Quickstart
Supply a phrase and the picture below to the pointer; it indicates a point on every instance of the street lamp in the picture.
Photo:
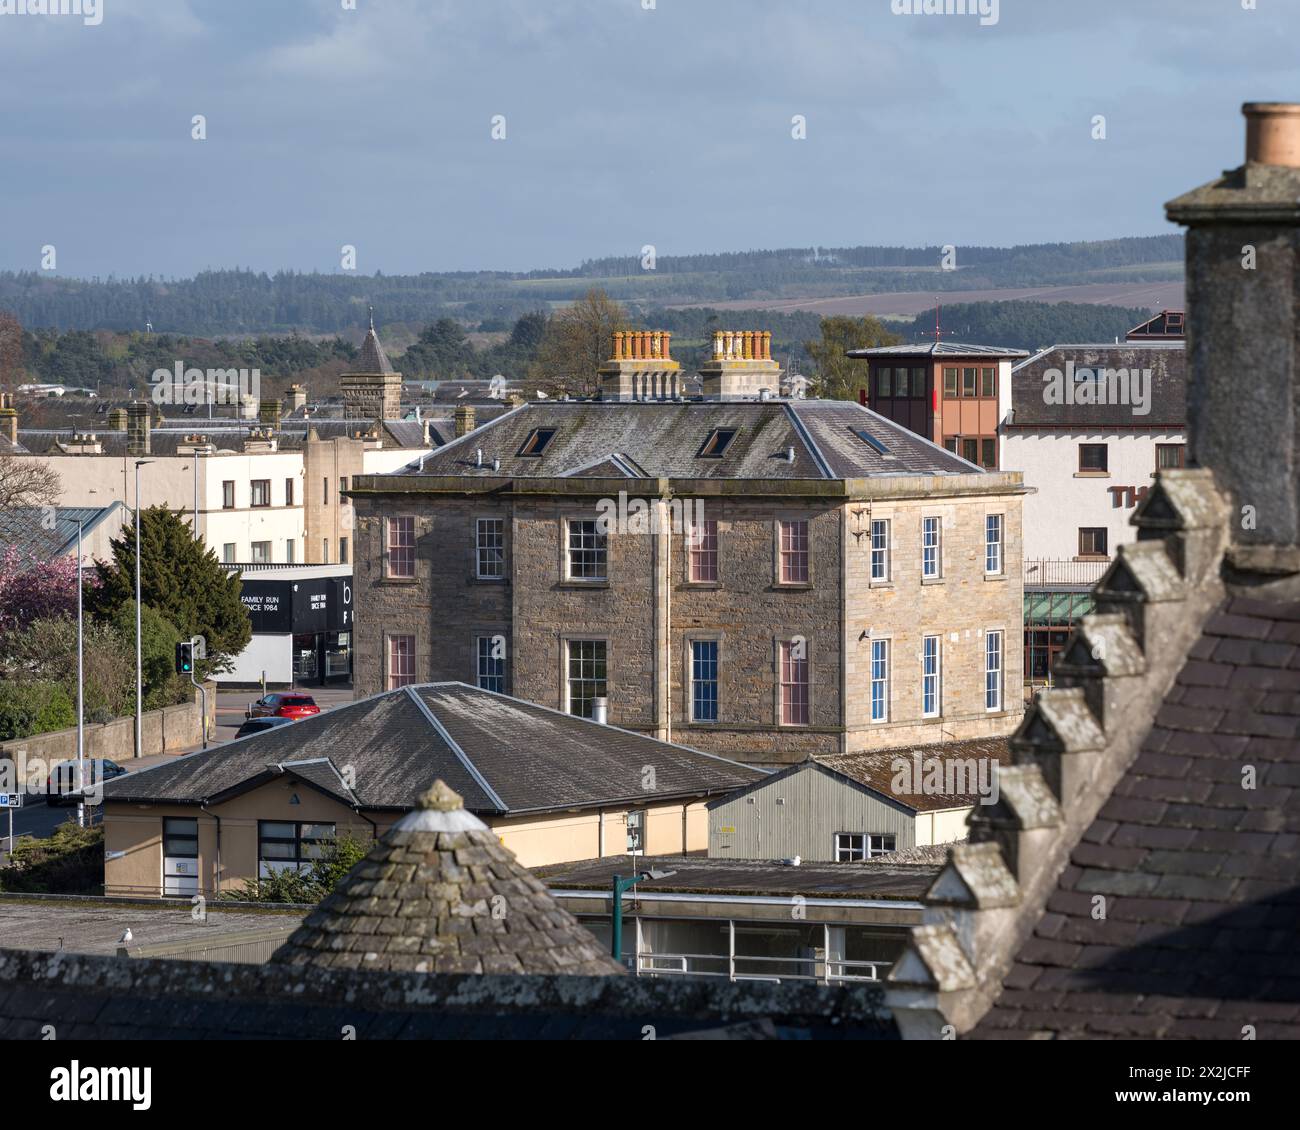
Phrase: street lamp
(139, 668)
(81, 695)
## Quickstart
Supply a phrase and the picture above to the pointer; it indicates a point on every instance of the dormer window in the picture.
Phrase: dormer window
(715, 447)
(536, 442)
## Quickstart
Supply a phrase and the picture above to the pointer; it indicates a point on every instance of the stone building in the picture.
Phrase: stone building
(762, 577)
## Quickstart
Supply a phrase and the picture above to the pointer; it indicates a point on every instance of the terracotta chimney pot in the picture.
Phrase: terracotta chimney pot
(1273, 133)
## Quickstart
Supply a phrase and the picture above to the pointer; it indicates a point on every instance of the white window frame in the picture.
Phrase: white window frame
(480, 657)
(994, 546)
(932, 680)
(389, 526)
(568, 669)
(994, 671)
(880, 680)
(599, 546)
(388, 661)
(931, 553)
(876, 844)
(850, 847)
(880, 553)
(715, 682)
(480, 548)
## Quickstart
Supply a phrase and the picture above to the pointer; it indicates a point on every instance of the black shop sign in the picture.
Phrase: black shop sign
(299, 607)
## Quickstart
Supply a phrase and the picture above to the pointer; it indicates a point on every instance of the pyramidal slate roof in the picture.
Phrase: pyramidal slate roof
(438, 893)
(503, 755)
(372, 358)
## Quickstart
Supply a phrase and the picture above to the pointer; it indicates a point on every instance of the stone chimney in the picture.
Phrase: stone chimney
(259, 440)
(268, 413)
(641, 367)
(138, 426)
(82, 443)
(464, 419)
(741, 366)
(296, 397)
(117, 420)
(1243, 335)
(195, 445)
(8, 418)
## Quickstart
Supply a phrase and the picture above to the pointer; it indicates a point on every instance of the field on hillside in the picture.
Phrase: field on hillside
(1153, 295)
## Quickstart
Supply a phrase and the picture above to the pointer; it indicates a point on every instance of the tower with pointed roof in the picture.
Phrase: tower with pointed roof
(374, 390)
(440, 894)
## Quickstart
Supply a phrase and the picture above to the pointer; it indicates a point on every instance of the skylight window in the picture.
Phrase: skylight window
(715, 447)
(871, 441)
(536, 442)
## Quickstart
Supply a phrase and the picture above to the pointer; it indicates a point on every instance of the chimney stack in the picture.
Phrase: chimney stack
(1243, 335)
(297, 397)
(8, 417)
(268, 413)
(138, 426)
(741, 367)
(117, 419)
(464, 419)
(641, 367)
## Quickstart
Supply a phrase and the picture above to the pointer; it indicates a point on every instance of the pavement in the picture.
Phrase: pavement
(38, 819)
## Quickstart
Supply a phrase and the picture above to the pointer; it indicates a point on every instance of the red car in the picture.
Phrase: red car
(295, 706)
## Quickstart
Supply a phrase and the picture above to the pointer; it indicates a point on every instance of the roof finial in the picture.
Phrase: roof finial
(441, 797)
(372, 319)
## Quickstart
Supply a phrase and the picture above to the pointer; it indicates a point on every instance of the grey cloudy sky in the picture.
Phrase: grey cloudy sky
(625, 126)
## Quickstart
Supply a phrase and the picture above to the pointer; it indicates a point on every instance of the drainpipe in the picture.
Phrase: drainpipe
(374, 828)
(216, 878)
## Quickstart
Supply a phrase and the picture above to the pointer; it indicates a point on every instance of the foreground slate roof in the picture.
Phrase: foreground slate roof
(1200, 875)
(503, 755)
(1168, 388)
(438, 893)
(109, 998)
(665, 440)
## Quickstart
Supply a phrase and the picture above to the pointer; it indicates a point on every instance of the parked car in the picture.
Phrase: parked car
(282, 705)
(257, 725)
(61, 784)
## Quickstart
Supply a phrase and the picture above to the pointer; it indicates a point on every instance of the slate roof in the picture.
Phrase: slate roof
(665, 440)
(1201, 876)
(108, 998)
(937, 349)
(1166, 360)
(26, 529)
(438, 893)
(501, 754)
(371, 358)
(747, 877)
(876, 771)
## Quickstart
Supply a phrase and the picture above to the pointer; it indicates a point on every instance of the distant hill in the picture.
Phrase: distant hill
(239, 302)
(1026, 325)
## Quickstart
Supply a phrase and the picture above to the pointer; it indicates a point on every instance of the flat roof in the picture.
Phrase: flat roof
(746, 877)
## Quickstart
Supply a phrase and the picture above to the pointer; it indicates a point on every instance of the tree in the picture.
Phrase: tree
(442, 351)
(577, 341)
(26, 481)
(47, 652)
(158, 640)
(182, 581)
(34, 589)
(11, 351)
(839, 377)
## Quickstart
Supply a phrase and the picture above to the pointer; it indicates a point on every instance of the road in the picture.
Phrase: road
(38, 819)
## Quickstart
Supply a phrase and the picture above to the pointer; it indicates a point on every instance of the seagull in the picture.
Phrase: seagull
(792, 862)
(541, 395)
(127, 937)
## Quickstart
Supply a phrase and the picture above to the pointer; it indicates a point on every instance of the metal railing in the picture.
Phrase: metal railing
(1044, 573)
(833, 971)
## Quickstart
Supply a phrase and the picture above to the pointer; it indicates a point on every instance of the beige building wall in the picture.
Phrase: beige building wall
(328, 517)
(133, 860)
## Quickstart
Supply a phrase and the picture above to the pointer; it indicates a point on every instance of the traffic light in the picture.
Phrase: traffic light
(184, 658)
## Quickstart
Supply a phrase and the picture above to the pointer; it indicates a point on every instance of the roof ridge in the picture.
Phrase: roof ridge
(460, 754)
